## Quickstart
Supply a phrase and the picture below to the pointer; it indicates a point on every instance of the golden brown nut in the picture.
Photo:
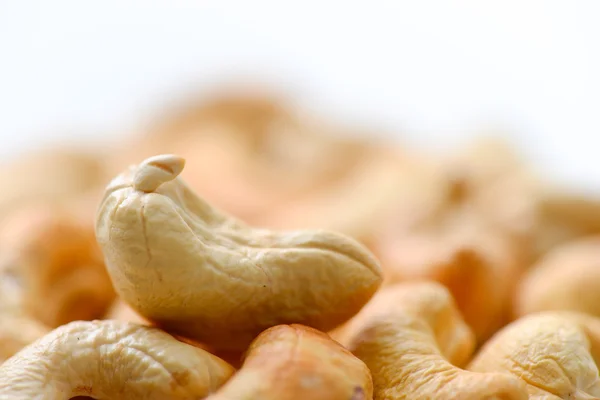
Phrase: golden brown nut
(111, 360)
(479, 268)
(567, 278)
(412, 338)
(53, 267)
(289, 362)
(202, 274)
(17, 332)
(548, 351)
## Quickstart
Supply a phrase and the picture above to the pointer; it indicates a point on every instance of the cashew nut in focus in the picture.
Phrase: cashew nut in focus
(413, 339)
(479, 268)
(199, 273)
(52, 267)
(567, 278)
(289, 362)
(111, 360)
(555, 353)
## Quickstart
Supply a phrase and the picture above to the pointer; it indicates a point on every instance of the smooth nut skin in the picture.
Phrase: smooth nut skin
(52, 267)
(567, 278)
(294, 362)
(111, 360)
(412, 337)
(16, 332)
(551, 352)
(202, 274)
(479, 268)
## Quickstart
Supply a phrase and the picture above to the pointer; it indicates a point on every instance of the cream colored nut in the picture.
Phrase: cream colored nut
(567, 278)
(16, 332)
(551, 352)
(52, 266)
(289, 362)
(202, 274)
(412, 338)
(111, 360)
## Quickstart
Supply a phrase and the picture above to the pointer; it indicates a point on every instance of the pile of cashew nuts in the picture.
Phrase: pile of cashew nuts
(237, 250)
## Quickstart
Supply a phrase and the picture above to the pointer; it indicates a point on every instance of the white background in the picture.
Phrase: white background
(429, 72)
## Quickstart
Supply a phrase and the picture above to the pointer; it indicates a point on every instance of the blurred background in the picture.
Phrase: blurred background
(427, 73)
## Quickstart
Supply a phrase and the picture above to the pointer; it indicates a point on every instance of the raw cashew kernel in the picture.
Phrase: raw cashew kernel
(412, 338)
(550, 351)
(567, 278)
(200, 273)
(289, 362)
(111, 360)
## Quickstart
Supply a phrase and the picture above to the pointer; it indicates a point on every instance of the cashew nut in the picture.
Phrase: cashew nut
(567, 278)
(53, 267)
(289, 362)
(111, 360)
(551, 352)
(413, 339)
(478, 267)
(202, 274)
(48, 176)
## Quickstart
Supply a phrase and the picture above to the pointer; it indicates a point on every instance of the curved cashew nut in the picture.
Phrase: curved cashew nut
(478, 268)
(53, 267)
(290, 362)
(551, 352)
(202, 274)
(567, 278)
(111, 360)
(412, 337)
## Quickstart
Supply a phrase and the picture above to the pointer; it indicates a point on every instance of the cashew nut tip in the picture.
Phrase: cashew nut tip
(111, 360)
(155, 171)
(553, 352)
(197, 272)
(413, 339)
(294, 362)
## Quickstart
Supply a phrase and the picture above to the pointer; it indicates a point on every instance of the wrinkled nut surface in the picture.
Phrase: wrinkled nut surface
(479, 268)
(567, 278)
(294, 362)
(111, 360)
(412, 338)
(53, 267)
(202, 274)
(551, 352)
(16, 332)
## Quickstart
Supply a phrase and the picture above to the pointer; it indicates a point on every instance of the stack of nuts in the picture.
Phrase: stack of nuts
(291, 259)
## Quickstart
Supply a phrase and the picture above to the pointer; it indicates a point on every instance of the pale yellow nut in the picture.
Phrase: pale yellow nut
(294, 362)
(199, 273)
(551, 352)
(412, 338)
(567, 278)
(111, 360)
